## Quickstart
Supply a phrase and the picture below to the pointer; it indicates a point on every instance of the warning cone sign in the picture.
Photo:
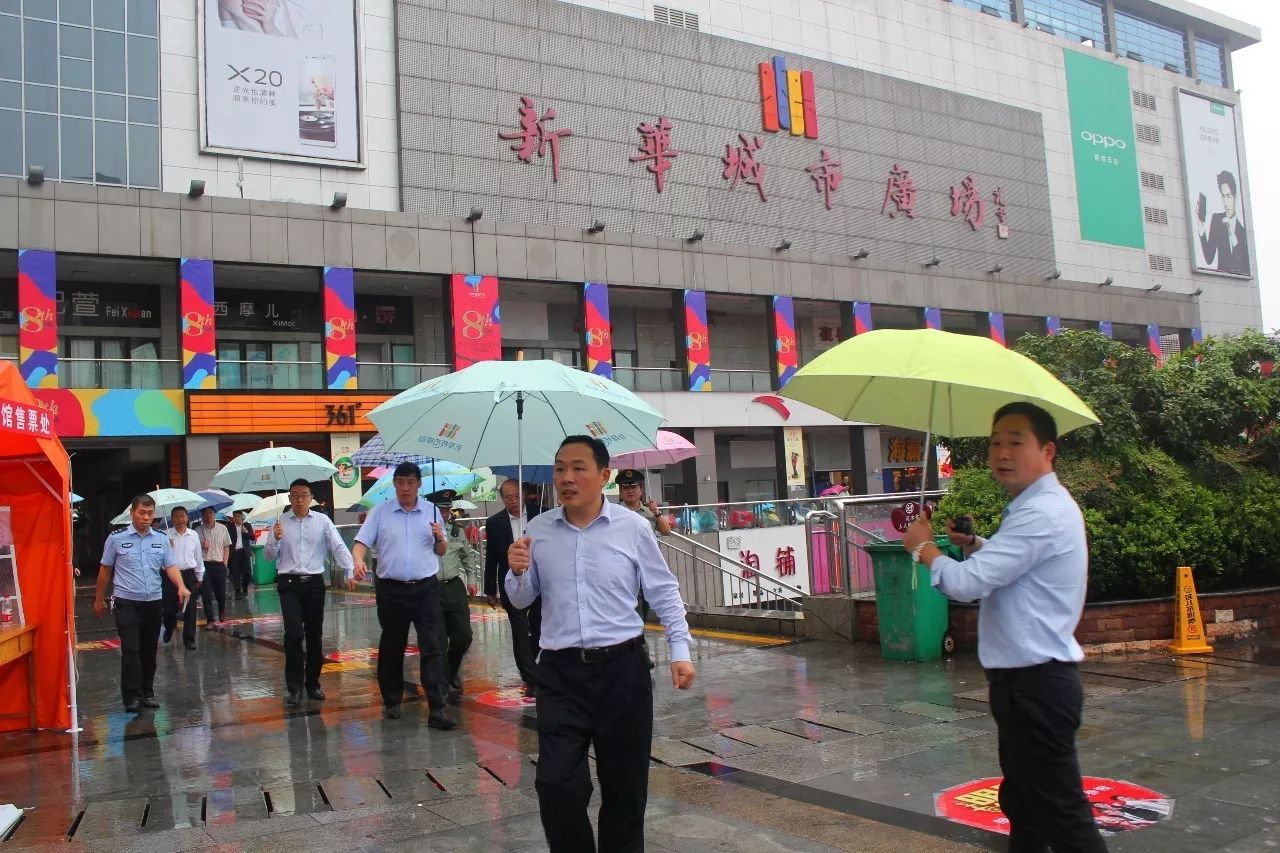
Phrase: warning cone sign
(1188, 629)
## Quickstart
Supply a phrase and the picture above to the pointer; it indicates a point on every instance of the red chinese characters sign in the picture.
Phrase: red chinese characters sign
(827, 174)
(533, 135)
(740, 164)
(899, 191)
(20, 418)
(966, 200)
(1118, 806)
(655, 149)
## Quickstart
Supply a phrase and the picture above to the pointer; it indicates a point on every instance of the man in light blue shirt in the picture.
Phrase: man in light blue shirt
(589, 559)
(1031, 578)
(408, 534)
(136, 557)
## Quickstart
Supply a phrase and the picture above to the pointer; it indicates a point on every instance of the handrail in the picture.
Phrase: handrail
(725, 558)
(404, 364)
(884, 497)
(268, 362)
(62, 358)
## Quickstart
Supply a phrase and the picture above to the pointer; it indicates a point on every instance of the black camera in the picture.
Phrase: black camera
(963, 524)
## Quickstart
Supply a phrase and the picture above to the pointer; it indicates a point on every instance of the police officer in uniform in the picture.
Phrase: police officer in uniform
(136, 557)
(459, 573)
(631, 491)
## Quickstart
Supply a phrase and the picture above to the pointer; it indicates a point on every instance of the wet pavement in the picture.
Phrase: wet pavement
(780, 746)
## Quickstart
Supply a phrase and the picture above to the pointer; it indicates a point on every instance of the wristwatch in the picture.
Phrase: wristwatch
(917, 551)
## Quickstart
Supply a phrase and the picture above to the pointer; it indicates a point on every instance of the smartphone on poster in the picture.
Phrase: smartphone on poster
(316, 101)
(1202, 207)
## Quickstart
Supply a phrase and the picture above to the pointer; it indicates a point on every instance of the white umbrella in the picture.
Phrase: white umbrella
(246, 501)
(271, 468)
(167, 500)
(269, 508)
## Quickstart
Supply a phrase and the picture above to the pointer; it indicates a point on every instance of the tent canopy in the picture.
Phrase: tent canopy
(35, 479)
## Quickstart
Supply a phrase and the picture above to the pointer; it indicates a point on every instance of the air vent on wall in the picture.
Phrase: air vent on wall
(675, 17)
(1148, 133)
(1156, 215)
(1145, 100)
(1152, 181)
(1160, 263)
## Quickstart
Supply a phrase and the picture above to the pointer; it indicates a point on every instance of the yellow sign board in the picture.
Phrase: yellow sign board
(1188, 632)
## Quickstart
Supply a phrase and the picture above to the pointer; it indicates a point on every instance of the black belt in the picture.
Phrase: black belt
(415, 582)
(298, 576)
(996, 674)
(600, 655)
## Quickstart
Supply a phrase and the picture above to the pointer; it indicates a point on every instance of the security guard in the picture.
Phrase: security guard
(137, 556)
(631, 491)
(459, 573)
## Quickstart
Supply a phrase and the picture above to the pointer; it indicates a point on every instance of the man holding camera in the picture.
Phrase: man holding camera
(1030, 578)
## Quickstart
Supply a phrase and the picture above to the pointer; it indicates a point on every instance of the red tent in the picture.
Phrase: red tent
(35, 479)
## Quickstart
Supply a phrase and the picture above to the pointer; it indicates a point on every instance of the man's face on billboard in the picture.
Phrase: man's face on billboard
(1228, 202)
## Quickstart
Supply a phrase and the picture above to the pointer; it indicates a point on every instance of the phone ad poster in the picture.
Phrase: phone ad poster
(280, 78)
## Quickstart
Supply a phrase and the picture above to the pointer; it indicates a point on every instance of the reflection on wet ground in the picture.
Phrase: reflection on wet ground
(780, 746)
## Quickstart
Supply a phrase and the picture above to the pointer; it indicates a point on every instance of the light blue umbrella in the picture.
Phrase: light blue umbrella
(214, 499)
(271, 469)
(75, 499)
(499, 412)
(384, 489)
(167, 500)
(374, 454)
(246, 501)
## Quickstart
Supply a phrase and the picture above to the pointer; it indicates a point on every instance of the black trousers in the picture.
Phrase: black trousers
(138, 624)
(169, 603)
(215, 586)
(609, 704)
(1037, 711)
(189, 612)
(455, 633)
(302, 606)
(401, 604)
(241, 571)
(526, 633)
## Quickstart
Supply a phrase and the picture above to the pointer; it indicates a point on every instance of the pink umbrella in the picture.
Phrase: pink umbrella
(380, 472)
(671, 448)
(832, 490)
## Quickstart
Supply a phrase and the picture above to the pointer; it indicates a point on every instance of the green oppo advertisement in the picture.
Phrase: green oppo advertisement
(1103, 147)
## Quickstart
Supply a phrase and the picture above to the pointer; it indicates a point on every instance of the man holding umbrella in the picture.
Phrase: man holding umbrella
(459, 570)
(409, 536)
(1030, 578)
(298, 543)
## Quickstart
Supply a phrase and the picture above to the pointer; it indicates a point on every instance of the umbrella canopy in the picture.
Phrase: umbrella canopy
(385, 489)
(75, 499)
(271, 468)
(167, 500)
(269, 508)
(670, 448)
(540, 474)
(214, 499)
(931, 381)
(374, 453)
(246, 501)
(500, 412)
(464, 505)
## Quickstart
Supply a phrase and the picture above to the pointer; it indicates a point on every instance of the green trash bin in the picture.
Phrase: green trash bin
(913, 620)
(264, 569)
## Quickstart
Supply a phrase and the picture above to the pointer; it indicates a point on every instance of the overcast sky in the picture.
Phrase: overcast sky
(1257, 69)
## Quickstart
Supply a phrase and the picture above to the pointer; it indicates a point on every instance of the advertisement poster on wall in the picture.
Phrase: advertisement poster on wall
(1211, 163)
(770, 552)
(793, 450)
(346, 482)
(281, 79)
(1103, 148)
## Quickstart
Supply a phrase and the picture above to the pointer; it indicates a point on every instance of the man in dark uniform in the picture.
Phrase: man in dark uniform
(459, 572)
(526, 622)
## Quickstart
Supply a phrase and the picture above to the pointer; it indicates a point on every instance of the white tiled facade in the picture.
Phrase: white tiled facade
(376, 187)
(952, 47)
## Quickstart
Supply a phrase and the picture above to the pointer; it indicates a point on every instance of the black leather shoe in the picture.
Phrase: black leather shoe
(148, 702)
(440, 719)
(191, 647)
(315, 693)
(530, 691)
(293, 698)
(133, 706)
(168, 635)
(455, 696)
(391, 712)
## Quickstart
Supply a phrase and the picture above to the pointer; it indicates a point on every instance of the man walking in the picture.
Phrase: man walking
(590, 559)
(241, 569)
(459, 570)
(298, 543)
(1030, 578)
(215, 544)
(185, 543)
(631, 492)
(408, 534)
(136, 557)
(526, 622)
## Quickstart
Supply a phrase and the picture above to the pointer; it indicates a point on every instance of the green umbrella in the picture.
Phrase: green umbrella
(932, 381)
(502, 412)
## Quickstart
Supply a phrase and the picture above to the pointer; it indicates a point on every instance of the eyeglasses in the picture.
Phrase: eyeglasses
(299, 496)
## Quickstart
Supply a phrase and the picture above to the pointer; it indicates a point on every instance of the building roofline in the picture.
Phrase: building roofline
(1236, 34)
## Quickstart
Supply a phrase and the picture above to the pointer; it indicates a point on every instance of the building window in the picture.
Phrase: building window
(1152, 181)
(676, 18)
(1075, 20)
(1211, 65)
(1144, 100)
(1147, 133)
(1155, 44)
(80, 90)
(994, 8)
(1155, 215)
(1160, 263)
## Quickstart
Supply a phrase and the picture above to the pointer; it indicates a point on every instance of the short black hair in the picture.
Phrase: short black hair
(407, 469)
(178, 509)
(141, 500)
(509, 482)
(301, 481)
(1225, 177)
(1043, 425)
(598, 448)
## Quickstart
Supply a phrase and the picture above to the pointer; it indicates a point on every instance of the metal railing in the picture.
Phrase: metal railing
(649, 378)
(713, 582)
(142, 373)
(724, 379)
(397, 375)
(266, 375)
(746, 515)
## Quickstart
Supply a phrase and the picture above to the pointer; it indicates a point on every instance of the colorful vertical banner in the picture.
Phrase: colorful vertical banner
(793, 456)
(38, 318)
(786, 359)
(787, 99)
(477, 320)
(995, 325)
(933, 318)
(340, 329)
(1052, 325)
(199, 341)
(1104, 326)
(862, 318)
(1105, 154)
(697, 340)
(597, 330)
(1153, 343)
(346, 481)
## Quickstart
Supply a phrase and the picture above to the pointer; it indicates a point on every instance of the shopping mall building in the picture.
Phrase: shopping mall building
(219, 230)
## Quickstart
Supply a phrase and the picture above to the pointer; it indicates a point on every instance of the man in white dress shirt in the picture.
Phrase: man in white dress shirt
(186, 548)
